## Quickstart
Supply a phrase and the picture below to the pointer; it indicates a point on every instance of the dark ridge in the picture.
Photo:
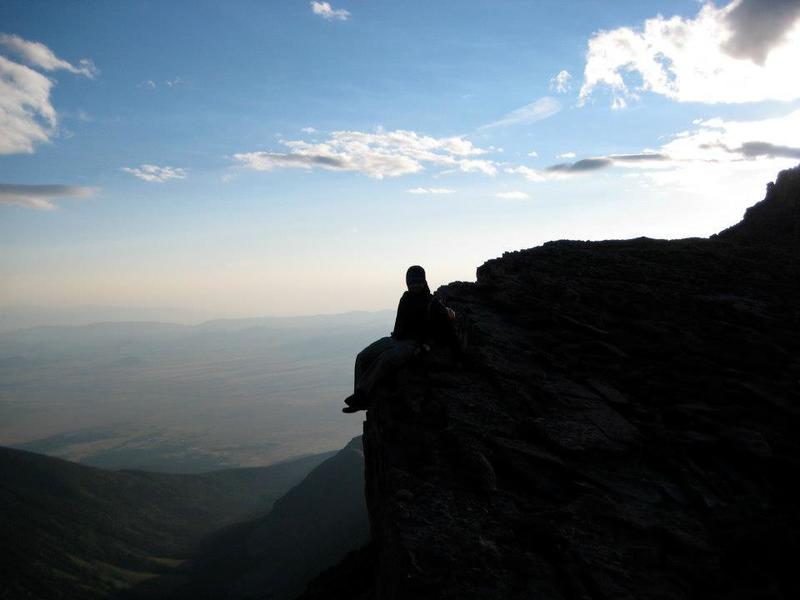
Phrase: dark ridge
(624, 426)
(312, 527)
(72, 531)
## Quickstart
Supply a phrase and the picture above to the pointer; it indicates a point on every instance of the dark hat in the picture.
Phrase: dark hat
(415, 275)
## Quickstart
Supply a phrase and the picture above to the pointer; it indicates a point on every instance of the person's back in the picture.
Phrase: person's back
(412, 318)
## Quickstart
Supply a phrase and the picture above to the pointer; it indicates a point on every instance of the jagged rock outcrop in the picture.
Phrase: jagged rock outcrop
(624, 425)
(775, 221)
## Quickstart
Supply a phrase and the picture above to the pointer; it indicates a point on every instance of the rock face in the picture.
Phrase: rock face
(624, 425)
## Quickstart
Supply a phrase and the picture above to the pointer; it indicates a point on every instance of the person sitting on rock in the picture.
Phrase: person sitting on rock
(421, 320)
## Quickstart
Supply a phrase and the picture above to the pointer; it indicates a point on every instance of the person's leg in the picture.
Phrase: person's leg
(364, 360)
(368, 356)
(388, 361)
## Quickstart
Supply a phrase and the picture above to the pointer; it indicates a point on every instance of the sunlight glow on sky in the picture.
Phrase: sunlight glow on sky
(253, 158)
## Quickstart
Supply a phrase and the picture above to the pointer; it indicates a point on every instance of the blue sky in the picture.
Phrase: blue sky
(246, 158)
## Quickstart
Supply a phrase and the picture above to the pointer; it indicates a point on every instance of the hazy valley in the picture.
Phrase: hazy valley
(72, 531)
(181, 398)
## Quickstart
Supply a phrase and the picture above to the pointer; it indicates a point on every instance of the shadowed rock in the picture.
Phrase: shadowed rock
(624, 426)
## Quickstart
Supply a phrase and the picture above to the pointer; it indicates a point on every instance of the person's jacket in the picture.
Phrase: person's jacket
(422, 318)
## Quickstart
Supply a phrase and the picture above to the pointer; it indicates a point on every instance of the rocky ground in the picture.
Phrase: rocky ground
(623, 425)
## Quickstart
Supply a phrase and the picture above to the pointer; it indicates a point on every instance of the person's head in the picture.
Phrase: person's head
(415, 279)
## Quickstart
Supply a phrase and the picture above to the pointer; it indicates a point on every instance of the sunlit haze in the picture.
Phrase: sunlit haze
(287, 158)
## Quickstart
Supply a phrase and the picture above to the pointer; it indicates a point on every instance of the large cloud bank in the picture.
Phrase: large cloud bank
(744, 52)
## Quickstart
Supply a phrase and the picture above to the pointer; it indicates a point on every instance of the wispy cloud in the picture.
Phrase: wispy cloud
(434, 191)
(327, 12)
(37, 54)
(543, 108)
(566, 155)
(727, 159)
(725, 146)
(757, 149)
(701, 59)
(561, 83)
(715, 154)
(27, 116)
(40, 197)
(600, 162)
(378, 155)
(156, 174)
(638, 158)
(586, 164)
(526, 172)
(721, 141)
(513, 195)
(308, 130)
(147, 84)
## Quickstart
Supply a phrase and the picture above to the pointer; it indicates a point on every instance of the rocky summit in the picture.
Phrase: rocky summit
(623, 424)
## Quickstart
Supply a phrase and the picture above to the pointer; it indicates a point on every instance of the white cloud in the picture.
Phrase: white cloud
(515, 195)
(533, 153)
(526, 172)
(378, 155)
(308, 130)
(566, 155)
(436, 191)
(148, 84)
(560, 83)
(720, 141)
(718, 56)
(173, 83)
(40, 197)
(327, 12)
(156, 174)
(37, 54)
(725, 164)
(530, 113)
(27, 116)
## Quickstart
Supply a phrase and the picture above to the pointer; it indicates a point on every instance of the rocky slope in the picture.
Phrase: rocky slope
(624, 425)
(72, 531)
(309, 529)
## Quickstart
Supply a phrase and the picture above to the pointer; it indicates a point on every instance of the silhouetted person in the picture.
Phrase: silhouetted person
(421, 320)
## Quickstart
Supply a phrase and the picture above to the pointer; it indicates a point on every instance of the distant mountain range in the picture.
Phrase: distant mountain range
(15, 318)
(20, 317)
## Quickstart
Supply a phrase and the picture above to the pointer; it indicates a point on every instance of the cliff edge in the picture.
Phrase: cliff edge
(624, 425)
